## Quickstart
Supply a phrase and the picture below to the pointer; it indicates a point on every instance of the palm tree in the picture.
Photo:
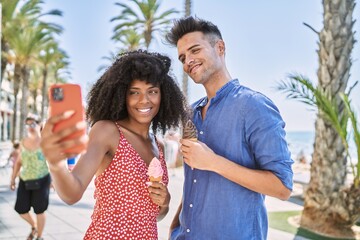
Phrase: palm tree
(26, 34)
(185, 79)
(34, 87)
(345, 202)
(8, 14)
(109, 59)
(27, 45)
(49, 55)
(130, 40)
(146, 22)
(12, 18)
(60, 69)
(327, 206)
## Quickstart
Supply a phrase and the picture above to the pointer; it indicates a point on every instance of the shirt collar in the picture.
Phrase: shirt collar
(221, 92)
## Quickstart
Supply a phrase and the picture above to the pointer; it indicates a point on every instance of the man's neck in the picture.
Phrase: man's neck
(212, 86)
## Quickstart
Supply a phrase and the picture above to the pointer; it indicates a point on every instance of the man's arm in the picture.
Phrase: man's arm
(199, 155)
(176, 221)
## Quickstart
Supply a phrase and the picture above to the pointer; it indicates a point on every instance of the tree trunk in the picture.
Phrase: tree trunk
(185, 79)
(4, 61)
(25, 75)
(4, 49)
(148, 36)
(331, 207)
(34, 108)
(44, 93)
(17, 80)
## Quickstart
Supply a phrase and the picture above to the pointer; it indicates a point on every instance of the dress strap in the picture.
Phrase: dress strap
(118, 125)
(119, 128)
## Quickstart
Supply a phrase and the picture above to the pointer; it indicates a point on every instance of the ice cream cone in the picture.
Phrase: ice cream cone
(192, 139)
(190, 131)
(155, 179)
(155, 171)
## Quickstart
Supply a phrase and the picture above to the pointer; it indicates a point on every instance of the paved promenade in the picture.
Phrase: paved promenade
(70, 222)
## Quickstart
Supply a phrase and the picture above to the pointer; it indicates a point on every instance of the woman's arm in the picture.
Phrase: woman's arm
(15, 173)
(70, 186)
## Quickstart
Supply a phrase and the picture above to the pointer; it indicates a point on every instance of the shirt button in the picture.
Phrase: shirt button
(194, 180)
(191, 205)
(201, 132)
(187, 230)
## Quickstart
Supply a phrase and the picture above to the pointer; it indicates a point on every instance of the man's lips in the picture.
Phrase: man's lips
(194, 67)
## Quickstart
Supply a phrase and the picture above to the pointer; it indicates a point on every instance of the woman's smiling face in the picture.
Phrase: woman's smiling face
(143, 101)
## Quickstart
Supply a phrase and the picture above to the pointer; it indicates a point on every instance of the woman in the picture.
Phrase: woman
(34, 183)
(134, 96)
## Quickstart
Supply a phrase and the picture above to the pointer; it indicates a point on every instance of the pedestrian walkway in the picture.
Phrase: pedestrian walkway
(71, 222)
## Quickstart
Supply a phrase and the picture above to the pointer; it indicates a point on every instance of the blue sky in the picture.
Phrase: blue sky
(265, 41)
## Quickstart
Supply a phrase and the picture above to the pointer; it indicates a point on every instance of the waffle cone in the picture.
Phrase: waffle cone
(155, 179)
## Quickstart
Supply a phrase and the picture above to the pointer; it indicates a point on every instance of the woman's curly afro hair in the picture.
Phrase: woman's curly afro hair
(107, 97)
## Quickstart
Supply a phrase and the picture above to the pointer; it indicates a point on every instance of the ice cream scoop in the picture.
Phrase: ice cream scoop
(190, 131)
(155, 171)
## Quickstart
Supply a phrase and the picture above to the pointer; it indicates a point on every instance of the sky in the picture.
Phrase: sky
(265, 42)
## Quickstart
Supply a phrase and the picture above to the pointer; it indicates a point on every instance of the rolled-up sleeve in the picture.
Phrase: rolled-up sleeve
(265, 134)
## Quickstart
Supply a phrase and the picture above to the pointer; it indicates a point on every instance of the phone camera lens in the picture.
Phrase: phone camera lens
(58, 94)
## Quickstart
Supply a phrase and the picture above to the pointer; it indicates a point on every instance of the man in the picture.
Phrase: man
(241, 154)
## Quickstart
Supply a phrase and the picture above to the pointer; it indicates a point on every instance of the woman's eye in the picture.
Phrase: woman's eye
(133, 92)
(154, 92)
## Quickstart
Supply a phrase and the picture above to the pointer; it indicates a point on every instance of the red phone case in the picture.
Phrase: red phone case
(65, 97)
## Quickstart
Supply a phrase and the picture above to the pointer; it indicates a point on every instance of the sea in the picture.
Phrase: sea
(301, 144)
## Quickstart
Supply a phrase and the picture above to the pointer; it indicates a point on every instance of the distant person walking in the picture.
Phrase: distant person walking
(34, 183)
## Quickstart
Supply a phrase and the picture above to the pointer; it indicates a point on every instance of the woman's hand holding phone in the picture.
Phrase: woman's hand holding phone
(64, 134)
(56, 145)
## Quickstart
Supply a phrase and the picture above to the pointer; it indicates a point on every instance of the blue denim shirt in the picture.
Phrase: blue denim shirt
(245, 127)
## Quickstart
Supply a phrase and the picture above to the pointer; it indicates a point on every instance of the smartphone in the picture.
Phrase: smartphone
(67, 97)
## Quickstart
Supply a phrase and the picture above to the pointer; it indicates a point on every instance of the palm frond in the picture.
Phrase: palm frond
(337, 113)
(355, 127)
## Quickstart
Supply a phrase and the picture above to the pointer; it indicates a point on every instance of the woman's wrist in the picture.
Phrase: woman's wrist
(56, 167)
(12, 182)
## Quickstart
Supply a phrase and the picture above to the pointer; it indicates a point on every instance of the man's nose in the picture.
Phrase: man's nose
(190, 62)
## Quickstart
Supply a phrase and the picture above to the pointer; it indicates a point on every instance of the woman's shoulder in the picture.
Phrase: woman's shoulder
(103, 135)
(104, 125)
(103, 129)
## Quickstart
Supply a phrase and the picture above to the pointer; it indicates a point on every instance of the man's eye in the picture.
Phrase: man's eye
(196, 50)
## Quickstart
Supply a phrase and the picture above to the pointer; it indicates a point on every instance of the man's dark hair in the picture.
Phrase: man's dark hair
(190, 24)
(107, 97)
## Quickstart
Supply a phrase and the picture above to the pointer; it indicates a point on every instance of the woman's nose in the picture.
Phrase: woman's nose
(144, 98)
